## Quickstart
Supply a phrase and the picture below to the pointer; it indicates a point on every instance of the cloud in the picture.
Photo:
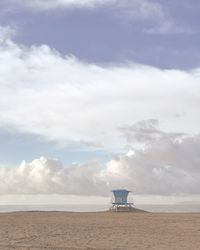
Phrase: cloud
(166, 164)
(145, 133)
(82, 105)
(152, 16)
(49, 176)
(56, 4)
(6, 32)
(169, 165)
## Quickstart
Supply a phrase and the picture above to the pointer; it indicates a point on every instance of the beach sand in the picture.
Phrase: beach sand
(103, 230)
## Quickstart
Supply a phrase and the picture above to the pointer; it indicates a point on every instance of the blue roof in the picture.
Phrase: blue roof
(120, 190)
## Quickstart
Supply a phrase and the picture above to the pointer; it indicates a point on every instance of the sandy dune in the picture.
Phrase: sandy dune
(60, 230)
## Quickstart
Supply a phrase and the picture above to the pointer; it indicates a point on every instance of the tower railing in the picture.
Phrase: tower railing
(121, 201)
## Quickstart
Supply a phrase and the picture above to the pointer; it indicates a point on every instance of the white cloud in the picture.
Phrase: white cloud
(45, 176)
(75, 103)
(168, 166)
(54, 4)
(168, 163)
(6, 33)
(72, 102)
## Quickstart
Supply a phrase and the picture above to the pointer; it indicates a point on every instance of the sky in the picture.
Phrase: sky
(99, 94)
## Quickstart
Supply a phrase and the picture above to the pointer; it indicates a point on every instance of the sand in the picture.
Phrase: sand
(103, 230)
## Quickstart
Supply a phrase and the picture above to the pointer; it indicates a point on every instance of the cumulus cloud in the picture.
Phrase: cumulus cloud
(145, 133)
(168, 166)
(88, 105)
(49, 176)
(168, 163)
(75, 103)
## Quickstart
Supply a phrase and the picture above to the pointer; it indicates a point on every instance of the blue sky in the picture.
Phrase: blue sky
(110, 86)
(164, 34)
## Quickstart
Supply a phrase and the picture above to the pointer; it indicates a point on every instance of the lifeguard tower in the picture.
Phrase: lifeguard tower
(120, 202)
